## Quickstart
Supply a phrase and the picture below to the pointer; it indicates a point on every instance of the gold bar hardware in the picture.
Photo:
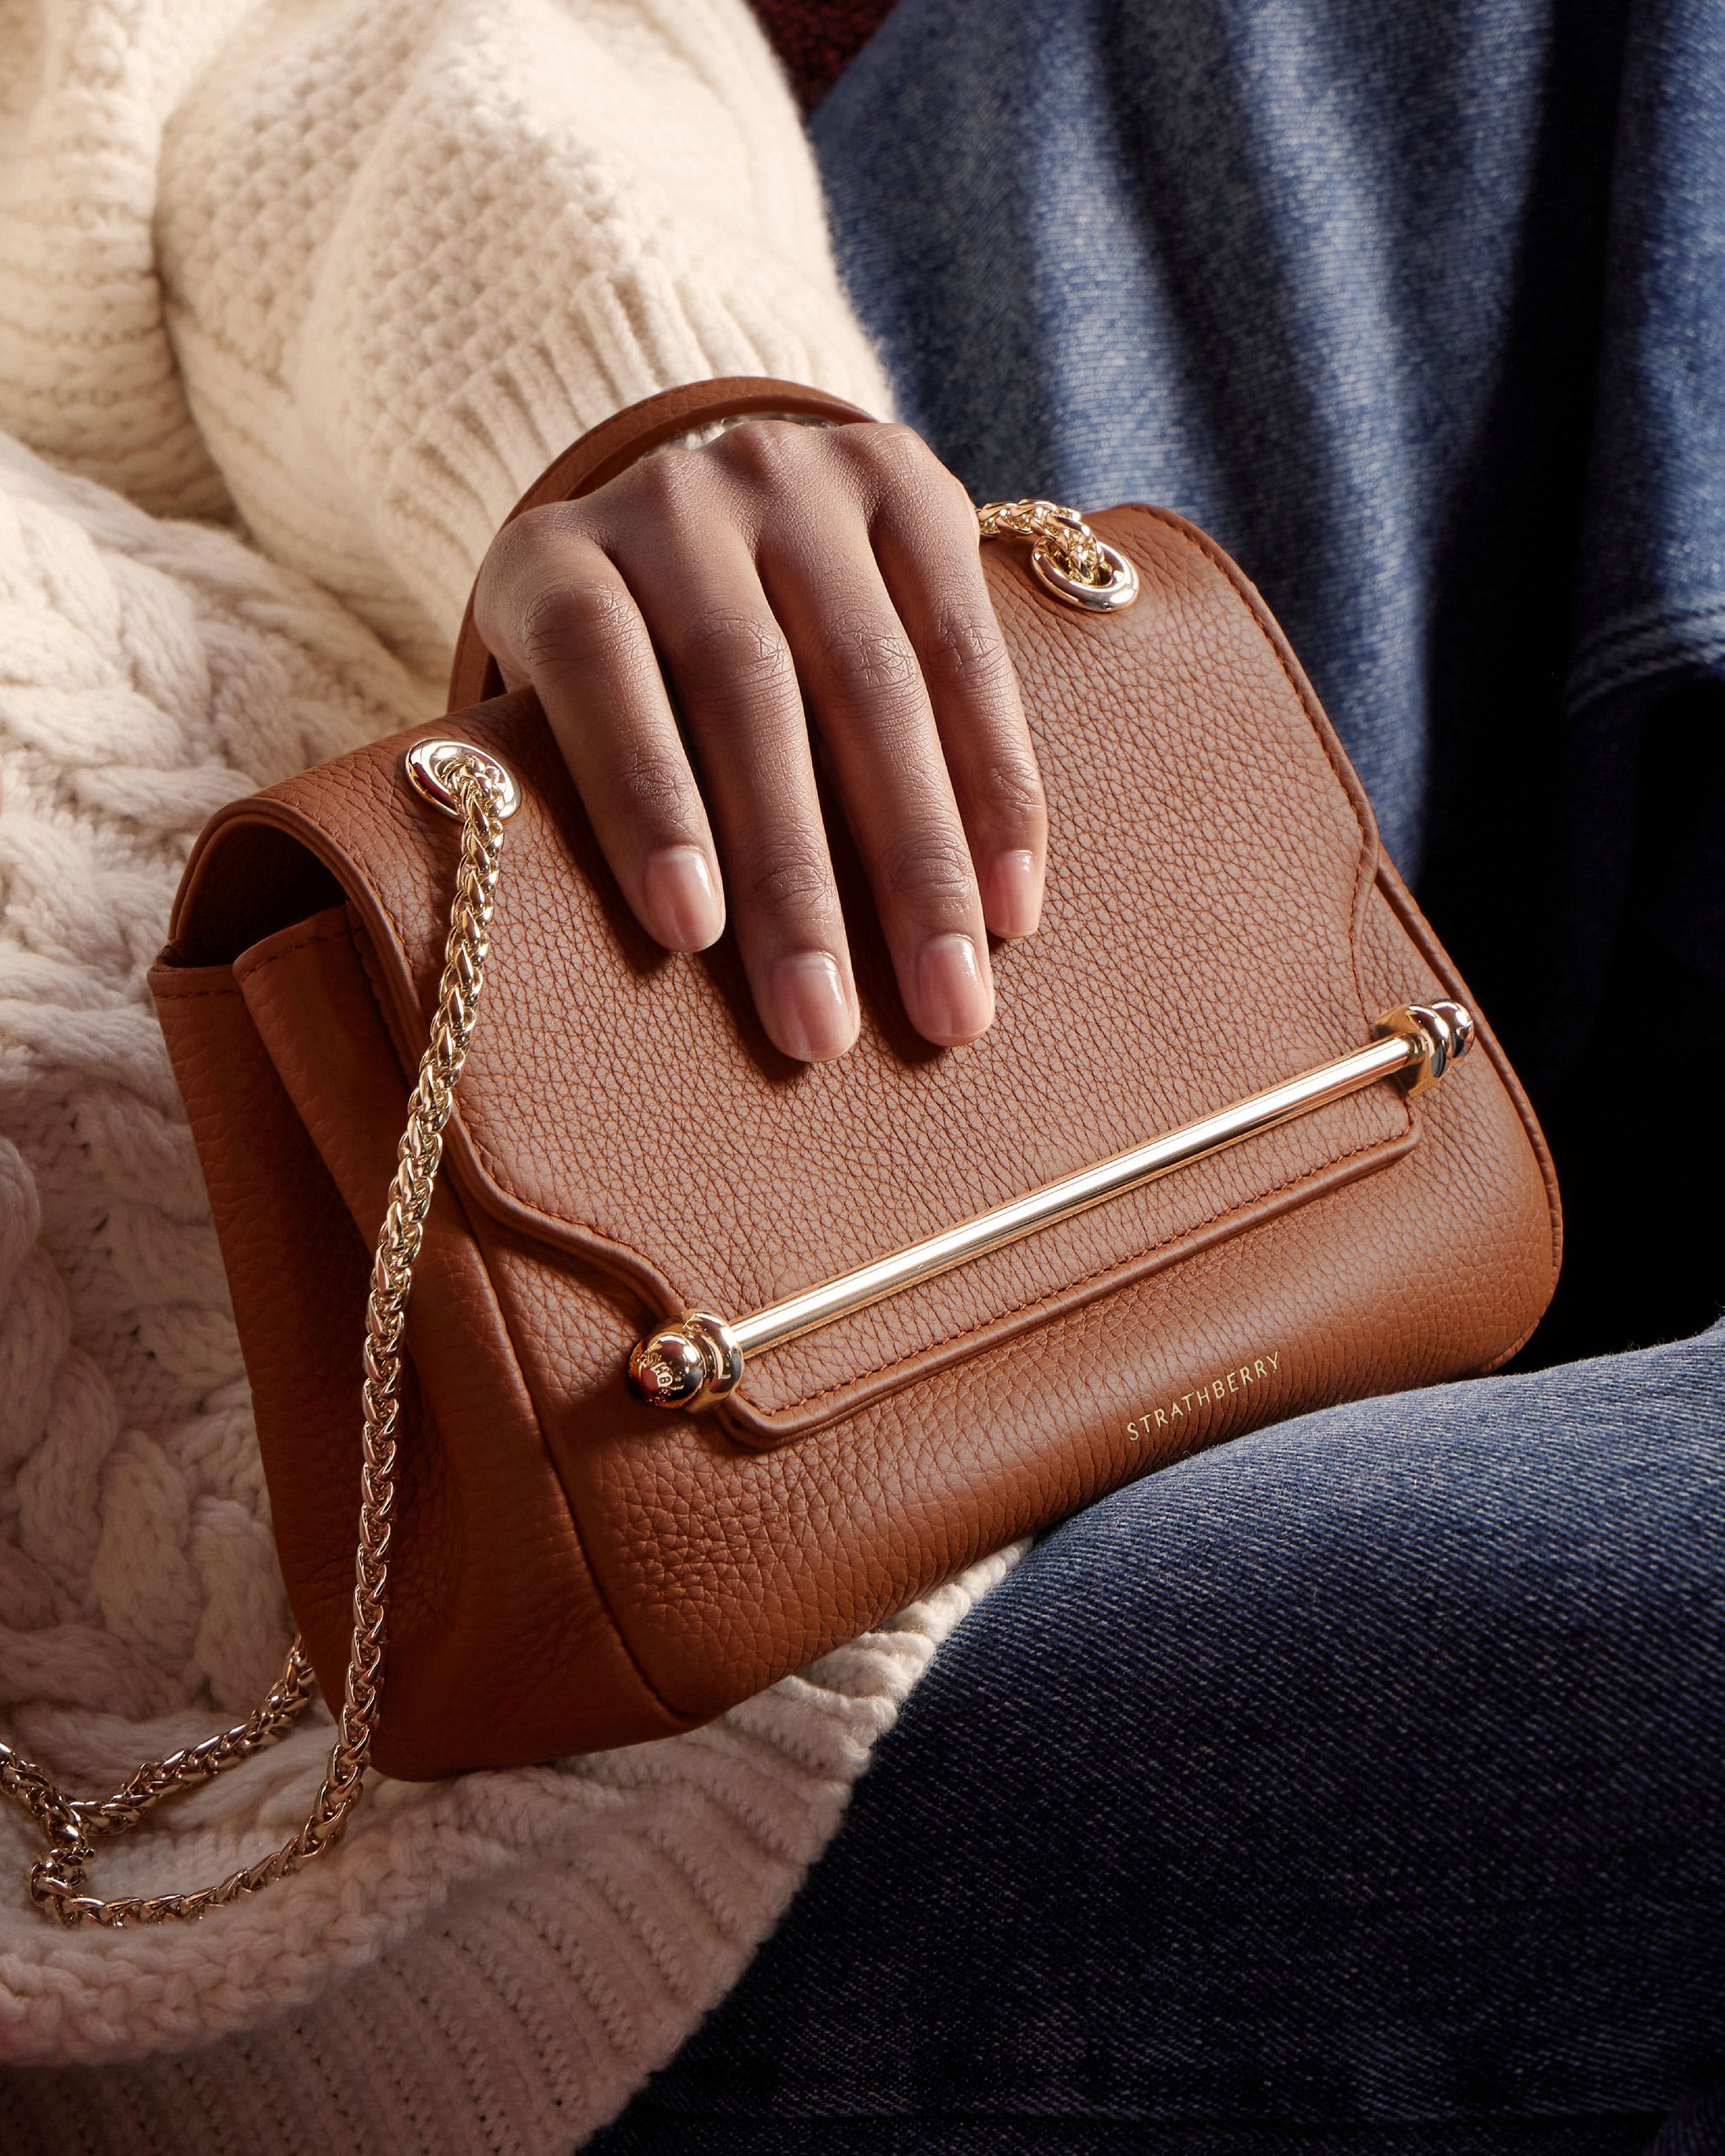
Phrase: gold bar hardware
(694, 1360)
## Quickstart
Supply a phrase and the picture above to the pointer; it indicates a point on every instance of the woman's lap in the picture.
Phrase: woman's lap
(1350, 1787)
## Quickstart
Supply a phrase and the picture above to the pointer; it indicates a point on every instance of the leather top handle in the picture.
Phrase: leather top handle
(617, 442)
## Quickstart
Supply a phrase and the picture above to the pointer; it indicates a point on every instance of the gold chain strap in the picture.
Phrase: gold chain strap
(1074, 564)
(75, 1826)
(1059, 532)
(1068, 558)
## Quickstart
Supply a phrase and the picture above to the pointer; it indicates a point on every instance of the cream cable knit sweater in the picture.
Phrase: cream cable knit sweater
(362, 270)
(347, 275)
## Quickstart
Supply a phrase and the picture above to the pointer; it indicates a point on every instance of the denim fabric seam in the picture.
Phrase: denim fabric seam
(1694, 637)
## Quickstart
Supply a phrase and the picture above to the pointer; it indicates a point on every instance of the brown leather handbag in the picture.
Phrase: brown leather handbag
(713, 1360)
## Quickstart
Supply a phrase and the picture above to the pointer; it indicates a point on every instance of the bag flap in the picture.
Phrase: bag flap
(1210, 858)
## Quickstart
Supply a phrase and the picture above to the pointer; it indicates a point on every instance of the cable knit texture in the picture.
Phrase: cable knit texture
(344, 278)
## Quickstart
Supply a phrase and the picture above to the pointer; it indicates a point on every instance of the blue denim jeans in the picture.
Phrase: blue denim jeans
(1358, 1786)
(1420, 309)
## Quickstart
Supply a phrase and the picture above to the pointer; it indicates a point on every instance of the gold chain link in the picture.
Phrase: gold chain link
(74, 1826)
(1060, 533)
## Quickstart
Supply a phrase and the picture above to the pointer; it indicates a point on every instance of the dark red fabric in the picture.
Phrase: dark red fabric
(818, 39)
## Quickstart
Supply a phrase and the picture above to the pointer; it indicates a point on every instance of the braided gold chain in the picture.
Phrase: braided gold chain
(1060, 533)
(74, 1826)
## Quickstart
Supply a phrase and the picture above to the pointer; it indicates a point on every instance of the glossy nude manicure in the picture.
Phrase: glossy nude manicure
(1012, 894)
(955, 992)
(812, 1006)
(684, 908)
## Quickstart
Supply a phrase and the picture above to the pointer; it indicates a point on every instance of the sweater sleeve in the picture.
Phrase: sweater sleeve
(87, 373)
(409, 252)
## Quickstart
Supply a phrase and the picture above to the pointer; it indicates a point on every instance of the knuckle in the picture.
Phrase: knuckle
(1010, 789)
(669, 495)
(548, 530)
(790, 876)
(872, 664)
(949, 500)
(654, 790)
(731, 653)
(568, 622)
(911, 490)
(667, 481)
(905, 475)
(931, 872)
(958, 495)
(764, 450)
(900, 451)
(530, 551)
(969, 650)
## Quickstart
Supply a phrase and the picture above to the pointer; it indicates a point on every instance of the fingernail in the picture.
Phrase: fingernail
(1014, 895)
(686, 910)
(956, 997)
(812, 1008)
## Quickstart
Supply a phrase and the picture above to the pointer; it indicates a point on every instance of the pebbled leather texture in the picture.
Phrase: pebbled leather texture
(576, 1570)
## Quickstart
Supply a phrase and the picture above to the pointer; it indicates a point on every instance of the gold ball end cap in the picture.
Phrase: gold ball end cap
(1440, 1033)
(691, 1363)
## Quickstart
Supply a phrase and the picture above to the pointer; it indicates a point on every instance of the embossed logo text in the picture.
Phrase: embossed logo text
(1257, 1372)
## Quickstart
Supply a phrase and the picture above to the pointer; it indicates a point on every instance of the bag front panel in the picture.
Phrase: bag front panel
(728, 1567)
(1212, 857)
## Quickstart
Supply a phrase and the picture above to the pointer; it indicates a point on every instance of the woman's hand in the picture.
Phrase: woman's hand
(784, 565)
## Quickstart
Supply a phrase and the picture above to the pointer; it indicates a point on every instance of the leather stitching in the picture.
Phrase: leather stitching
(329, 935)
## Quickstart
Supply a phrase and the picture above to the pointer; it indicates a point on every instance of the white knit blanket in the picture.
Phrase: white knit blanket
(517, 1948)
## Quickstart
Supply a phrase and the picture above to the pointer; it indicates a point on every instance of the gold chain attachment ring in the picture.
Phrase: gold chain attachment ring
(1066, 557)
